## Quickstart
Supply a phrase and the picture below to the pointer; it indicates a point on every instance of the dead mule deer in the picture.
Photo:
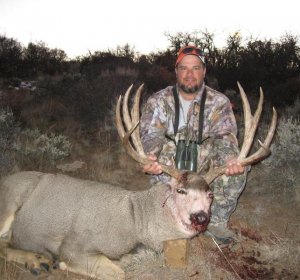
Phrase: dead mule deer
(69, 219)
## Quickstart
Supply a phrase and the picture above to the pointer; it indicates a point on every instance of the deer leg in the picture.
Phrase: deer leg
(33, 261)
(5, 224)
(97, 266)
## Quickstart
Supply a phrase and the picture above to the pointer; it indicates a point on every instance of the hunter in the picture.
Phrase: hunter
(190, 126)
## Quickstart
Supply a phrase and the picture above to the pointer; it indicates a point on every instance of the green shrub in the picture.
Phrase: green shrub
(280, 170)
(285, 147)
(40, 150)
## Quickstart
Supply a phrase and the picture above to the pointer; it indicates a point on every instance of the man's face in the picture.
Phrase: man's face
(190, 74)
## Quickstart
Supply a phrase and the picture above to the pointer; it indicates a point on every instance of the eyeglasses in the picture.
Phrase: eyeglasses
(190, 50)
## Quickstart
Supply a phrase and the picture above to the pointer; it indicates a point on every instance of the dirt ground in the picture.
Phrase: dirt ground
(267, 222)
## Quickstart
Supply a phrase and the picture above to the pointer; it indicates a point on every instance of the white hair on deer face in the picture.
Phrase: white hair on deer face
(190, 204)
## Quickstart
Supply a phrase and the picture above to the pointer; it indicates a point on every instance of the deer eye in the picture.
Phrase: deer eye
(181, 191)
(210, 195)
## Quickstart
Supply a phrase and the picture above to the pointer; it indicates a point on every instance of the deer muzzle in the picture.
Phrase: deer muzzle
(200, 221)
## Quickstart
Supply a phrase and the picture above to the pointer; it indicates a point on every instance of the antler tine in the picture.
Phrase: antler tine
(135, 113)
(132, 131)
(264, 150)
(251, 123)
(131, 151)
(125, 111)
(125, 136)
(119, 124)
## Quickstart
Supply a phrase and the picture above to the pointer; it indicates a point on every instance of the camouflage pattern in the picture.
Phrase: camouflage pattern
(219, 141)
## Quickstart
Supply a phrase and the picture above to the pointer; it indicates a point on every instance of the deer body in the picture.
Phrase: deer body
(57, 215)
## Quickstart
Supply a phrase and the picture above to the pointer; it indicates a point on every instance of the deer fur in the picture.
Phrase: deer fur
(66, 218)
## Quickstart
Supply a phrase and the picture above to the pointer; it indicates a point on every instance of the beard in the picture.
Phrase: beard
(189, 89)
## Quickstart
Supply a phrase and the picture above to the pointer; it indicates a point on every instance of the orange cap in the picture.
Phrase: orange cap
(190, 50)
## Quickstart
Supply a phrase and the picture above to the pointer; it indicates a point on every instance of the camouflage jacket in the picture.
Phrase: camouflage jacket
(158, 116)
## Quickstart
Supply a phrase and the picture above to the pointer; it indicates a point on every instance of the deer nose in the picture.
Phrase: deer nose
(200, 218)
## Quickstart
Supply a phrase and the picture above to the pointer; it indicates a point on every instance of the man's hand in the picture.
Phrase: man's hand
(233, 167)
(154, 167)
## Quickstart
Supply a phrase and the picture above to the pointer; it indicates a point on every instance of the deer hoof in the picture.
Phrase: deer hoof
(45, 266)
(35, 271)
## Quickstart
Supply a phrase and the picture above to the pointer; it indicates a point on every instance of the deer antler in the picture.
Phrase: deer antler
(251, 124)
(131, 131)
